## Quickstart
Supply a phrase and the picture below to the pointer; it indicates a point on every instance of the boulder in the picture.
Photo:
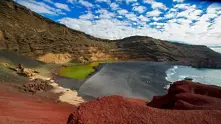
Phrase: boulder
(189, 95)
(188, 79)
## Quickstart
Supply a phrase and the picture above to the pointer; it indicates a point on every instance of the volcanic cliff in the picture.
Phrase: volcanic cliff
(30, 34)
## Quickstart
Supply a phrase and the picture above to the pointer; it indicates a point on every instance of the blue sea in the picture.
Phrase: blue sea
(202, 75)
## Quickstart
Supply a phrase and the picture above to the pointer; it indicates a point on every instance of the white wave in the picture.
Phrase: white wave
(170, 72)
(206, 76)
(217, 49)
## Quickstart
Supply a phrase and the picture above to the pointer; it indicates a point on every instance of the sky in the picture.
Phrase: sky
(174, 20)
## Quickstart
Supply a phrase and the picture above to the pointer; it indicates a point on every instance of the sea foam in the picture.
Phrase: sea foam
(206, 76)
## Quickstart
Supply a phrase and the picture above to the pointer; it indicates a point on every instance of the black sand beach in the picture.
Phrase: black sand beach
(129, 79)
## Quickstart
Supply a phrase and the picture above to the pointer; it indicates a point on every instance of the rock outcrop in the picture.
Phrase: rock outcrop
(199, 104)
(20, 70)
(36, 85)
(188, 95)
(30, 34)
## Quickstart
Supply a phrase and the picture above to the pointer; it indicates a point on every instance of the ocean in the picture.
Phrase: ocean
(202, 75)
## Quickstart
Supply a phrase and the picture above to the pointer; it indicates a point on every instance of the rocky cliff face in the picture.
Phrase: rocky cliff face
(30, 34)
(147, 48)
(27, 33)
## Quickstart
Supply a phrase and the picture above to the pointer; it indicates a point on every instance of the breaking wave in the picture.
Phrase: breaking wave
(206, 76)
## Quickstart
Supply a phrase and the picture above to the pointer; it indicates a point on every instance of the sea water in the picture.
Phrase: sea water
(202, 75)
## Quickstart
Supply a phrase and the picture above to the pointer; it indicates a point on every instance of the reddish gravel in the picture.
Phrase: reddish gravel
(118, 110)
(181, 95)
(18, 108)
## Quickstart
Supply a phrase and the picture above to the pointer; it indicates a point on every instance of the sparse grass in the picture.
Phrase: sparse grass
(79, 72)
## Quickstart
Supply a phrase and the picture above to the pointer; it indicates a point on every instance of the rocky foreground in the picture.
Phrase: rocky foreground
(185, 103)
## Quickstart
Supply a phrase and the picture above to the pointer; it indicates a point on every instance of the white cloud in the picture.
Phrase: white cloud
(157, 18)
(175, 29)
(62, 6)
(215, 5)
(135, 4)
(114, 6)
(186, 22)
(188, 11)
(105, 14)
(48, 1)
(86, 3)
(71, 1)
(179, 1)
(214, 8)
(89, 15)
(185, 6)
(148, 1)
(155, 12)
(40, 7)
(170, 15)
(131, 16)
(122, 11)
(158, 5)
(106, 1)
(143, 18)
(140, 9)
(105, 28)
(76, 24)
(155, 4)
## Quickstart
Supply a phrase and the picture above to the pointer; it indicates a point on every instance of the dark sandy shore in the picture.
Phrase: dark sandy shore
(129, 79)
(68, 82)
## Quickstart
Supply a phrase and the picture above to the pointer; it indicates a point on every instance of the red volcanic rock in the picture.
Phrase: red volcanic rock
(118, 110)
(189, 95)
(181, 95)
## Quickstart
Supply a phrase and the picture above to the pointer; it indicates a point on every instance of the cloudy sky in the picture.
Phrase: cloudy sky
(174, 20)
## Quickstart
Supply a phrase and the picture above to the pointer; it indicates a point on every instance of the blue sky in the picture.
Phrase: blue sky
(173, 20)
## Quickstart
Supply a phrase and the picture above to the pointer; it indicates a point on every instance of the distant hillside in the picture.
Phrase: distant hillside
(30, 34)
